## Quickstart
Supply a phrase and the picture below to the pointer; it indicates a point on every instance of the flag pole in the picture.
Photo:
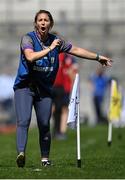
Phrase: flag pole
(120, 124)
(113, 87)
(109, 133)
(78, 140)
(78, 126)
(73, 116)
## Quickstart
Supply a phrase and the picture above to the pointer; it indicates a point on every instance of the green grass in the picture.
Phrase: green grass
(99, 161)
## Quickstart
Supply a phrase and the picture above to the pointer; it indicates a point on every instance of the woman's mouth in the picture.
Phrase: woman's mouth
(43, 29)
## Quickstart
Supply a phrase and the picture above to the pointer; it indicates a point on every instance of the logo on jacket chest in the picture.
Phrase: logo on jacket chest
(45, 64)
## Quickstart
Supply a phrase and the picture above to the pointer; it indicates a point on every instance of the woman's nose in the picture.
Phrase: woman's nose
(43, 22)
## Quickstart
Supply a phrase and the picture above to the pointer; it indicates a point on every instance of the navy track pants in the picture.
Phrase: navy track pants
(25, 99)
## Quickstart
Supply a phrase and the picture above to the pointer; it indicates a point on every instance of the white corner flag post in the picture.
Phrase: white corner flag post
(109, 133)
(110, 110)
(78, 126)
(73, 116)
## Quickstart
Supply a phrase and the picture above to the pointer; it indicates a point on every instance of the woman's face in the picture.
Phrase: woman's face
(43, 24)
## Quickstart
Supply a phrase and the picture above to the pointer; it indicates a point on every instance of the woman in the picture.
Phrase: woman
(36, 74)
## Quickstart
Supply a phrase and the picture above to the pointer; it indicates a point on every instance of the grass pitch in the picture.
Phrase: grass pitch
(99, 161)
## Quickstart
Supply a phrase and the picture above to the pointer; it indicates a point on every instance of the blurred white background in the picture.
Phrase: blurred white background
(97, 25)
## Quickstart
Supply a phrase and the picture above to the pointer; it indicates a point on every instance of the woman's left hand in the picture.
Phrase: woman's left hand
(105, 61)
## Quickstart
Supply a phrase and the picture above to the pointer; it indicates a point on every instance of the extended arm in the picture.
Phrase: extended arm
(83, 53)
